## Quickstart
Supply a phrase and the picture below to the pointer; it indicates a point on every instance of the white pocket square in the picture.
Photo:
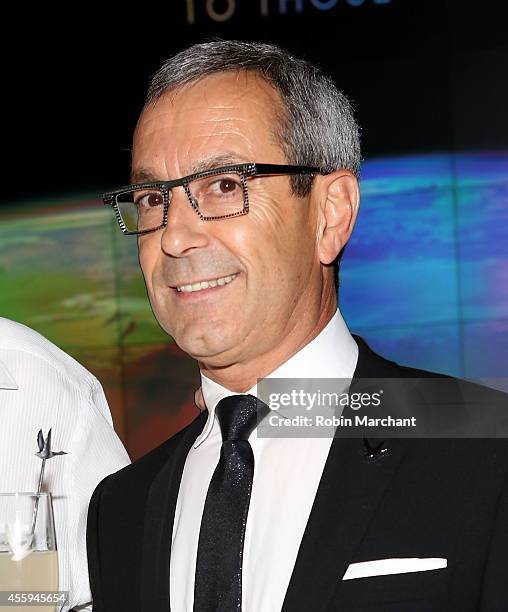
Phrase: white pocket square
(384, 567)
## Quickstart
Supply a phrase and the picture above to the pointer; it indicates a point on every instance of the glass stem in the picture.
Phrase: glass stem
(39, 487)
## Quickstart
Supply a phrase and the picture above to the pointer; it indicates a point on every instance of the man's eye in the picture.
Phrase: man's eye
(227, 185)
(149, 200)
(223, 185)
(220, 189)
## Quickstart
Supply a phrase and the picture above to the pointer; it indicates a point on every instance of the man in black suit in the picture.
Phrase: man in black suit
(240, 258)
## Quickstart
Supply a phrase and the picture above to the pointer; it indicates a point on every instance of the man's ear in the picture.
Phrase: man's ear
(339, 199)
(199, 400)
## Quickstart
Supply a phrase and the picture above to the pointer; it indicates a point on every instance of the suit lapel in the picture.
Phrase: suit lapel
(160, 513)
(347, 498)
(348, 495)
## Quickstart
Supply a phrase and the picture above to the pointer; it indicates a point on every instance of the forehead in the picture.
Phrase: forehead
(225, 114)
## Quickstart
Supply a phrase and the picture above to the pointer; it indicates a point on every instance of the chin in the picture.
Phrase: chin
(210, 346)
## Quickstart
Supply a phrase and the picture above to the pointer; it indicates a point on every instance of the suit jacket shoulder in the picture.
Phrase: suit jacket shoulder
(372, 365)
(117, 520)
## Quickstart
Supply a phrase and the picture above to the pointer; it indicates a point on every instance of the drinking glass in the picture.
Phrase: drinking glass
(28, 553)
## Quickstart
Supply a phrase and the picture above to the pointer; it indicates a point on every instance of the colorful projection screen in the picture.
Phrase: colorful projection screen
(424, 281)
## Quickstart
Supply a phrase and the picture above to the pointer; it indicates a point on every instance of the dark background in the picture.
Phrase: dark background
(424, 76)
(425, 277)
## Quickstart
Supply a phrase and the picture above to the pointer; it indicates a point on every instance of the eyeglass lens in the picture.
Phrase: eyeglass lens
(214, 196)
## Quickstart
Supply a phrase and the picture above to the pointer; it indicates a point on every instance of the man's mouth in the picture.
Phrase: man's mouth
(201, 285)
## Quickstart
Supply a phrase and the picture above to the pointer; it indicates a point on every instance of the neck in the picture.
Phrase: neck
(299, 331)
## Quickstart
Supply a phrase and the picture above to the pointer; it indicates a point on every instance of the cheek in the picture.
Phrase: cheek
(283, 227)
(266, 211)
(259, 242)
(148, 252)
(271, 250)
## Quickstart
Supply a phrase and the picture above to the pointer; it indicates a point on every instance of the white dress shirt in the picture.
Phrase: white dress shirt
(286, 477)
(43, 387)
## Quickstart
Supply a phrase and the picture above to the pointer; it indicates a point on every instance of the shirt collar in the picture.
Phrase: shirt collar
(6, 379)
(333, 353)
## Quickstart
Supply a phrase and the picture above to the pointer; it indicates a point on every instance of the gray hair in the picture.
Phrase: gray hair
(315, 125)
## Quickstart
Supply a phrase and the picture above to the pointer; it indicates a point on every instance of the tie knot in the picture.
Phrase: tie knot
(237, 415)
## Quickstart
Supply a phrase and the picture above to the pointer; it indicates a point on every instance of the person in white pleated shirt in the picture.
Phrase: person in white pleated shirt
(41, 387)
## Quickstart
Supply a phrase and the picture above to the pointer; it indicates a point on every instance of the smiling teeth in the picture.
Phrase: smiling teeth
(224, 280)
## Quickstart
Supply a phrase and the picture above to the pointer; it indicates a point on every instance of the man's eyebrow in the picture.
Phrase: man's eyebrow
(216, 161)
(143, 175)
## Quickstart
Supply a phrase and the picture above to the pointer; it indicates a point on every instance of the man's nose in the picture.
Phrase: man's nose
(184, 230)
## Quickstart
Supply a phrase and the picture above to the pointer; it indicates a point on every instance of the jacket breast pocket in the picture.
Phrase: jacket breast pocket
(414, 591)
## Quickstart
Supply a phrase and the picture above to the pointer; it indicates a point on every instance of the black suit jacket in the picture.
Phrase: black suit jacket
(445, 498)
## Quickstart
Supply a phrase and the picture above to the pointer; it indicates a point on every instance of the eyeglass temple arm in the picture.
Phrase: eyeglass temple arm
(285, 169)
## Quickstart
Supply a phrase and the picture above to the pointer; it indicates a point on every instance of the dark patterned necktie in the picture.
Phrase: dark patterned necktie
(218, 583)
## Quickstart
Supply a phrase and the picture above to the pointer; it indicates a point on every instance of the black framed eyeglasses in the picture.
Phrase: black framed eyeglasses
(219, 193)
